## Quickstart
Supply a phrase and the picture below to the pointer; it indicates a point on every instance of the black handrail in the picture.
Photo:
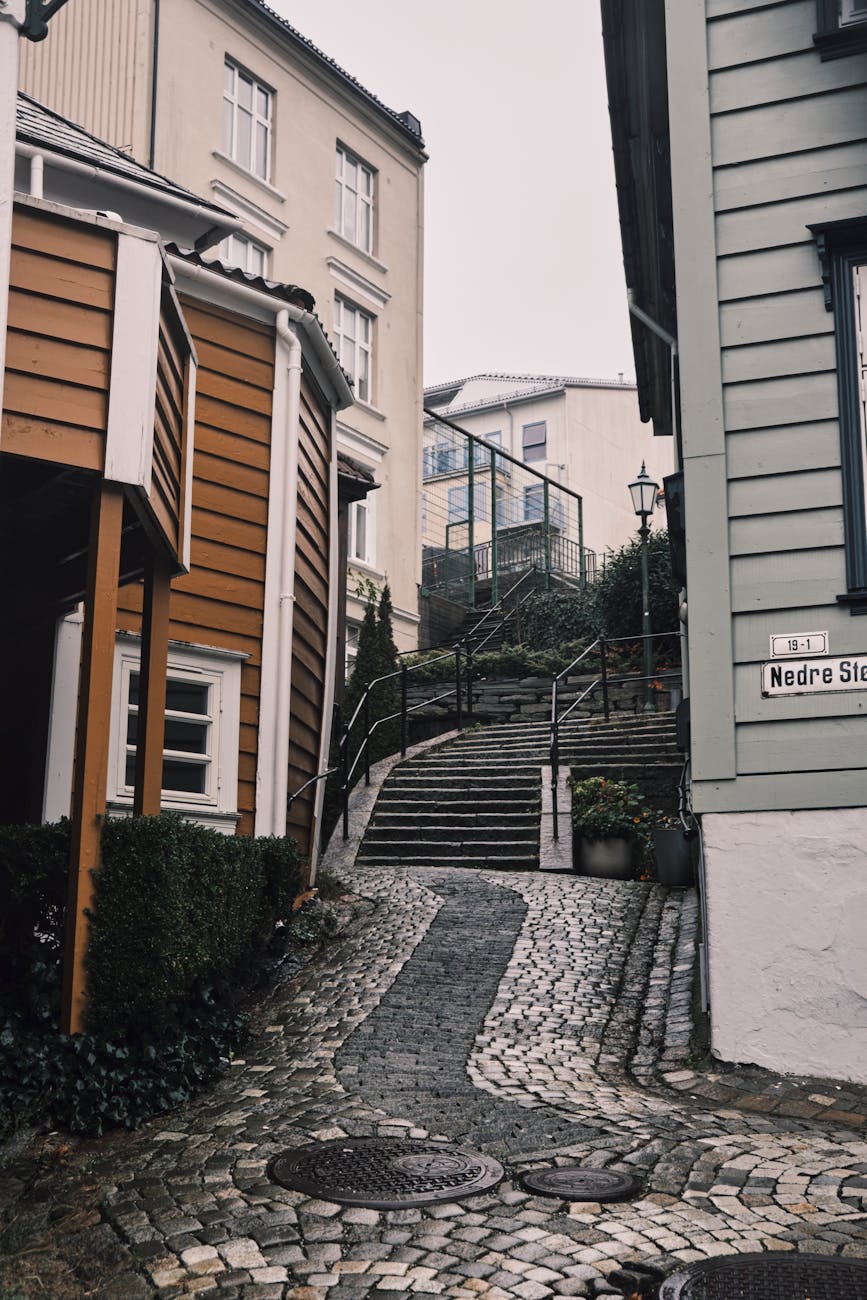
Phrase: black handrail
(605, 681)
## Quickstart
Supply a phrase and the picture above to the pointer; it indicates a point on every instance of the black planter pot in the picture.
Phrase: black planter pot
(673, 854)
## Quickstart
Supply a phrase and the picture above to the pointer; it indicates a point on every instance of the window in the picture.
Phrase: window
(352, 633)
(459, 503)
(483, 456)
(353, 335)
(353, 214)
(239, 250)
(534, 503)
(843, 250)
(200, 748)
(534, 441)
(247, 109)
(361, 532)
(841, 27)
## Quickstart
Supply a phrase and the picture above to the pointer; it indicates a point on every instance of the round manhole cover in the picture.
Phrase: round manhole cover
(572, 1183)
(385, 1173)
(769, 1277)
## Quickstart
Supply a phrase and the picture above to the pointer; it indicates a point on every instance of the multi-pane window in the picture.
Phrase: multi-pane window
(353, 336)
(483, 456)
(852, 11)
(353, 212)
(459, 498)
(534, 440)
(361, 532)
(534, 503)
(200, 741)
(240, 250)
(247, 110)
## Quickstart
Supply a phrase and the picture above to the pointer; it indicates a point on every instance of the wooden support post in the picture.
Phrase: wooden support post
(92, 739)
(152, 689)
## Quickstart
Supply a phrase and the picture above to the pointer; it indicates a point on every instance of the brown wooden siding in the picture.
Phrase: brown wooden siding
(220, 602)
(61, 298)
(310, 629)
(168, 453)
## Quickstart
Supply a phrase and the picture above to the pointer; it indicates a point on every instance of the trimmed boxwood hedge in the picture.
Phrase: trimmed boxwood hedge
(181, 919)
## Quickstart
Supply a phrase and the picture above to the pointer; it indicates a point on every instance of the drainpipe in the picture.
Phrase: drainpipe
(12, 15)
(37, 174)
(285, 626)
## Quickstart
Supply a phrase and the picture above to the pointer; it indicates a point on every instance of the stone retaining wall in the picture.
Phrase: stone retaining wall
(528, 699)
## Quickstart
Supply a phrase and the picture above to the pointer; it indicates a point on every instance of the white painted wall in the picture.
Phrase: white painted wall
(787, 916)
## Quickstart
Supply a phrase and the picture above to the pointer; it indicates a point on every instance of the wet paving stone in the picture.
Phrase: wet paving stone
(537, 1019)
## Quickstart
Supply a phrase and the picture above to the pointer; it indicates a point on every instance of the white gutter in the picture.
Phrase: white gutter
(306, 320)
(12, 15)
(654, 326)
(221, 225)
(330, 654)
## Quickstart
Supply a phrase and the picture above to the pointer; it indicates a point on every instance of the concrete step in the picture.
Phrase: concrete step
(449, 833)
(516, 862)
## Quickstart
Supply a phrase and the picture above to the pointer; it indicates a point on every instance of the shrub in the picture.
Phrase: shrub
(602, 809)
(178, 906)
(547, 620)
(181, 919)
(618, 589)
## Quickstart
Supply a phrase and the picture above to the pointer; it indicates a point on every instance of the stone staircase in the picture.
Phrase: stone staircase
(476, 800)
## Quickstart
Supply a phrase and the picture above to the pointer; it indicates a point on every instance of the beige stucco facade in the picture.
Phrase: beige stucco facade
(594, 441)
(289, 212)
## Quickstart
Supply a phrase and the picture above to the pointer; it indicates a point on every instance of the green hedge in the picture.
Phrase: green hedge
(176, 907)
(181, 919)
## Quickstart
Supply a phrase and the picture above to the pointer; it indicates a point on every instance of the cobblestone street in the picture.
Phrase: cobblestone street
(538, 1018)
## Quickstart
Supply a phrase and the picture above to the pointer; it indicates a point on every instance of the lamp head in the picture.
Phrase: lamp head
(643, 491)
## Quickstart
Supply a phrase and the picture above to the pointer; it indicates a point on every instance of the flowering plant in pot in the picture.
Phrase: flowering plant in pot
(672, 851)
(610, 828)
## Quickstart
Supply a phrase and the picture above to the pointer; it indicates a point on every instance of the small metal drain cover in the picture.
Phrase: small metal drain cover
(385, 1173)
(769, 1277)
(572, 1183)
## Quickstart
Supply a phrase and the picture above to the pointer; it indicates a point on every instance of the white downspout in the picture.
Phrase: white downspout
(285, 624)
(37, 175)
(12, 15)
(330, 651)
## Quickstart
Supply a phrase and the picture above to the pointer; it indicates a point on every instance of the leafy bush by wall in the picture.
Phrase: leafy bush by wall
(176, 907)
(618, 589)
(34, 871)
(547, 620)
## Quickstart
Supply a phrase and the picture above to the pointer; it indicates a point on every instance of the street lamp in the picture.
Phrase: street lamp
(643, 491)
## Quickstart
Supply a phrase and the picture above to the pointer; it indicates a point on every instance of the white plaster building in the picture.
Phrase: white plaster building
(228, 99)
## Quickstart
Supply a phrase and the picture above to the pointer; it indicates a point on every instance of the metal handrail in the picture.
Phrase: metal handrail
(604, 681)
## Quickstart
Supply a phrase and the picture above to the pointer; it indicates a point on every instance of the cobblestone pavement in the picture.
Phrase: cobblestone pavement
(542, 1019)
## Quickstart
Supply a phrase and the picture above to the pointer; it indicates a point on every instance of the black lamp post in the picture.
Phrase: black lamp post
(643, 491)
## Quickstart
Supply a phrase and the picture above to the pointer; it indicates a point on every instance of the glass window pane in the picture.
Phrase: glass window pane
(364, 228)
(187, 697)
(132, 728)
(133, 688)
(245, 91)
(263, 103)
(229, 78)
(360, 531)
(188, 737)
(187, 777)
(228, 121)
(350, 205)
(350, 174)
(363, 376)
(367, 178)
(261, 150)
(244, 124)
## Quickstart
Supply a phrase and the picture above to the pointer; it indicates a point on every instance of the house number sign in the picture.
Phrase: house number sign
(786, 645)
(812, 676)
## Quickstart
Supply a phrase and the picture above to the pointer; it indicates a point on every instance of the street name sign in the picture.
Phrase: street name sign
(812, 676)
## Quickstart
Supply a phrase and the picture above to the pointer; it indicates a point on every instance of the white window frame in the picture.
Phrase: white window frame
(849, 15)
(534, 500)
(461, 492)
(362, 553)
(221, 670)
(358, 201)
(538, 449)
(258, 160)
(353, 335)
(240, 250)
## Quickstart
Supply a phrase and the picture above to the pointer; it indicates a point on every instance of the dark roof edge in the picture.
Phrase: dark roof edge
(405, 122)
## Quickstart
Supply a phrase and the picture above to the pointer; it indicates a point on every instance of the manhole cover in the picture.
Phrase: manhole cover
(385, 1173)
(769, 1277)
(575, 1184)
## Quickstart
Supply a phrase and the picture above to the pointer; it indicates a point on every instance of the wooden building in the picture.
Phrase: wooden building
(741, 164)
(169, 494)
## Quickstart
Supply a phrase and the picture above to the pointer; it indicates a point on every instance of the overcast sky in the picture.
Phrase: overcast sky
(522, 250)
